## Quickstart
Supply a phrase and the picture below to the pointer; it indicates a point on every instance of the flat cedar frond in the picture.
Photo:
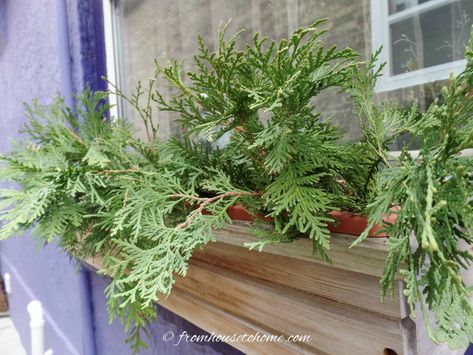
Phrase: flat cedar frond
(261, 100)
(432, 197)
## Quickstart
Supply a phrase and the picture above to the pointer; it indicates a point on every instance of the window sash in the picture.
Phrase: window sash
(418, 9)
(381, 36)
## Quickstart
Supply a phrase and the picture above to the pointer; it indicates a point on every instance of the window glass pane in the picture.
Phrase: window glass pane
(400, 5)
(163, 28)
(153, 28)
(431, 38)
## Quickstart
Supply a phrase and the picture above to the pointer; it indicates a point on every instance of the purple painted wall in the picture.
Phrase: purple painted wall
(30, 68)
(167, 322)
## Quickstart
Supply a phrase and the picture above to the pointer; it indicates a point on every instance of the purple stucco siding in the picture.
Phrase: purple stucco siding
(30, 68)
(167, 322)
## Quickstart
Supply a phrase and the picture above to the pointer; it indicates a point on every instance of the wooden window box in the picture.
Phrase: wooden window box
(284, 290)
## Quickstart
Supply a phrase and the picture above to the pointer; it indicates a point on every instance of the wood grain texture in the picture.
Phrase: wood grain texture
(334, 327)
(341, 285)
(367, 258)
(214, 319)
(285, 290)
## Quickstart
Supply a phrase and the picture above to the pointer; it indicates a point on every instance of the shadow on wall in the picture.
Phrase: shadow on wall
(3, 25)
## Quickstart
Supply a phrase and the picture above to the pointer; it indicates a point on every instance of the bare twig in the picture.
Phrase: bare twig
(123, 171)
(205, 201)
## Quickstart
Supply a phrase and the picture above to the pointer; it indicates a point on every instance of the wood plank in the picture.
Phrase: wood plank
(336, 328)
(285, 290)
(325, 280)
(215, 320)
(367, 258)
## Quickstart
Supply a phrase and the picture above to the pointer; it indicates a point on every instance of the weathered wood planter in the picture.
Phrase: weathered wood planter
(284, 290)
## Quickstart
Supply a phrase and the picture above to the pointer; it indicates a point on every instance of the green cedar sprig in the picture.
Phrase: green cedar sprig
(261, 102)
(430, 242)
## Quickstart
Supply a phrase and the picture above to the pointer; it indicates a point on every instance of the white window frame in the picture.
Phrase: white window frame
(380, 30)
(114, 59)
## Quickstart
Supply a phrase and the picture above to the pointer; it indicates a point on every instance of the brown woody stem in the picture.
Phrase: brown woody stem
(205, 201)
(124, 171)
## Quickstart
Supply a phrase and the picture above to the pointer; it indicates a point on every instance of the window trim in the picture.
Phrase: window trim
(394, 154)
(114, 64)
(380, 22)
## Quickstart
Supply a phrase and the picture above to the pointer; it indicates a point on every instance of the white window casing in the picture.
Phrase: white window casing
(380, 30)
(113, 59)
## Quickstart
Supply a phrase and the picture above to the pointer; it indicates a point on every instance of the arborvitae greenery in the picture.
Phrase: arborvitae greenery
(65, 164)
(252, 136)
(432, 194)
(278, 145)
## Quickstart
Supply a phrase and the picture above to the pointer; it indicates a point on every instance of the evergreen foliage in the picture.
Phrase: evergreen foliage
(65, 165)
(262, 100)
(252, 136)
(431, 239)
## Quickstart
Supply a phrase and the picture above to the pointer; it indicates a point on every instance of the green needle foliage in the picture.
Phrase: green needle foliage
(71, 166)
(261, 102)
(63, 165)
(252, 135)
(431, 240)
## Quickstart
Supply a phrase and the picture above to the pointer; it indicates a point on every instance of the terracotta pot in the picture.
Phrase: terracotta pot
(350, 223)
(347, 222)
(239, 213)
